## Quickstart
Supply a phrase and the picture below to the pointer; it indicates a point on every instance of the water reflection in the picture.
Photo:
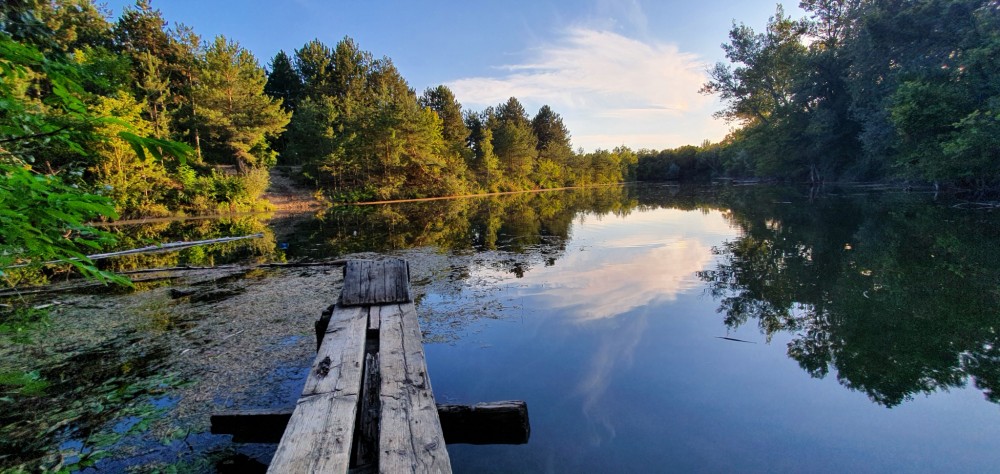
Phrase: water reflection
(615, 353)
(529, 223)
(894, 296)
(624, 263)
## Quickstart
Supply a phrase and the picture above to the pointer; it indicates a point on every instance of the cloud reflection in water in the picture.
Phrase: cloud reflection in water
(615, 265)
(617, 272)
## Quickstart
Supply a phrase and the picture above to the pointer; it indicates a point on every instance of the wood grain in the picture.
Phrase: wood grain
(410, 436)
(370, 282)
(318, 435)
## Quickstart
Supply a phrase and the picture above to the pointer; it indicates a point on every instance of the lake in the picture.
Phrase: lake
(650, 328)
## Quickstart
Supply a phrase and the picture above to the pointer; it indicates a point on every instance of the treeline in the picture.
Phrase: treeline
(360, 132)
(686, 163)
(103, 119)
(865, 90)
(135, 77)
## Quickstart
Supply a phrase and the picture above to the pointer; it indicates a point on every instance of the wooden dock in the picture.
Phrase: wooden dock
(367, 402)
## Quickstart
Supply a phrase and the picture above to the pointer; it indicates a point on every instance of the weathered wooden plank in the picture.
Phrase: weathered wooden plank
(379, 290)
(403, 279)
(352, 279)
(410, 436)
(369, 282)
(365, 270)
(374, 320)
(318, 435)
(338, 363)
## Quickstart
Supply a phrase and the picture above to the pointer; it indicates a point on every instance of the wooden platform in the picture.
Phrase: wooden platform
(368, 386)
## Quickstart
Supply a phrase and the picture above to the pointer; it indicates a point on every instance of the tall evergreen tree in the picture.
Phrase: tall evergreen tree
(283, 81)
(160, 56)
(554, 148)
(352, 69)
(234, 111)
(512, 112)
(76, 24)
(442, 100)
(514, 142)
(314, 64)
(553, 136)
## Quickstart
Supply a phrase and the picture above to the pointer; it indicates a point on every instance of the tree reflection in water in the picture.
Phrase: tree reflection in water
(894, 295)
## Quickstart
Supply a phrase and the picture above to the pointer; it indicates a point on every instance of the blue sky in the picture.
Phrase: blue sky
(620, 72)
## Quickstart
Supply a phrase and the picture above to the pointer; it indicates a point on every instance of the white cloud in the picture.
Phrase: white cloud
(609, 88)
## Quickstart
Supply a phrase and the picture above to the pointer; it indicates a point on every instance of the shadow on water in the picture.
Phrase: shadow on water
(892, 293)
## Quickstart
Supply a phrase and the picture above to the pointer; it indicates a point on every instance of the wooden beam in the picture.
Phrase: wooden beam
(371, 282)
(374, 320)
(489, 423)
(319, 434)
(252, 426)
(410, 436)
(503, 422)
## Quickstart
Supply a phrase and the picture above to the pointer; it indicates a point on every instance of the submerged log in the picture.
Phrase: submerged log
(484, 423)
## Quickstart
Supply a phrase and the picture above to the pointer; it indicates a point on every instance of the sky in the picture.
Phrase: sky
(619, 72)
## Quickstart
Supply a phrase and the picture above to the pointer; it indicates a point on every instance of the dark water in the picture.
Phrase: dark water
(649, 328)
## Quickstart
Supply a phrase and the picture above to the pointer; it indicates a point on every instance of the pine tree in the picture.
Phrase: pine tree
(234, 111)
(314, 64)
(442, 100)
(514, 143)
(553, 136)
(283, 82)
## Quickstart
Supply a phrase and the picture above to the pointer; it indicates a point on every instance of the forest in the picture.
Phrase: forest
(360, 133)
(858, 90)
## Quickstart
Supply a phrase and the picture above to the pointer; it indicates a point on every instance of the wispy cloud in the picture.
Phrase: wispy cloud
(607, 86)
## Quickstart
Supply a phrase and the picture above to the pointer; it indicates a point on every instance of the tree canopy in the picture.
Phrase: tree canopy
(866, 90)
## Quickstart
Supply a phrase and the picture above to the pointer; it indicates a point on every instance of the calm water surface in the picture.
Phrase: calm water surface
(650, 329)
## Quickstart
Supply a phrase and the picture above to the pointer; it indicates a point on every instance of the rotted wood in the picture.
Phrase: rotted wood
(366, 432)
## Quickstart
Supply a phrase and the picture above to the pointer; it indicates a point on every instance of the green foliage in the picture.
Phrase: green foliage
(361, 133)
(234, 113)
(553, 137)
(867, 90)
(760, 88)
(19, 322)
(442, 101)
(283, 82)
(43, 220)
